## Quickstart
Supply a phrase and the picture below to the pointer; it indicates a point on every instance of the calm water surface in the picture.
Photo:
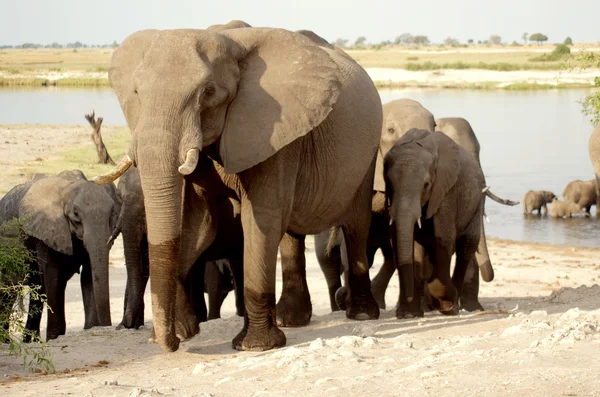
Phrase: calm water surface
(529, 140)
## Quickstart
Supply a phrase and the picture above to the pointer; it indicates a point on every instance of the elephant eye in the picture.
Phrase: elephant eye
(208, 91)
(391, 130)
(426, 186)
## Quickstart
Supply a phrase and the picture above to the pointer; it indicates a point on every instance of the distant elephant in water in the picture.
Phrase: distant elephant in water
(583, 193)
(216, 279)
(561, 209)
(536, 200)
(68, 221)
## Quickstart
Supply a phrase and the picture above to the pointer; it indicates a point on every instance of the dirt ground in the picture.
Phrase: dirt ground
(540, 336)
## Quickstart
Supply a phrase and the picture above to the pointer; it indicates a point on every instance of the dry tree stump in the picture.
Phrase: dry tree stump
(103, 156)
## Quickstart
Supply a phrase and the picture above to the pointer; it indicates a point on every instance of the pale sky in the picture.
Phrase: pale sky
(102, 21)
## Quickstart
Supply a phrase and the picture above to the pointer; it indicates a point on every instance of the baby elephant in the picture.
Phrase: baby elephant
(536, 200)
(583, 193)
(560, 209)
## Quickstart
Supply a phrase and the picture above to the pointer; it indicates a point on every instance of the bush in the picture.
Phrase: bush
(591, 103)
(15, 261)
(560, 52)
(568, 41)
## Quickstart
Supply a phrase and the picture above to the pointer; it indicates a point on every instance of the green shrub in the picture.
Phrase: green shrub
(560, 52)
(15, 261)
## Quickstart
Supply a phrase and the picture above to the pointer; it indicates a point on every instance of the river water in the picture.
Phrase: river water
(529, 140)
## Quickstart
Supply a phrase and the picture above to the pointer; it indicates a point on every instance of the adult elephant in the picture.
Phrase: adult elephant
(594, 152)
(215, 279)
(293, 129)
(68, 221)
(582, 193)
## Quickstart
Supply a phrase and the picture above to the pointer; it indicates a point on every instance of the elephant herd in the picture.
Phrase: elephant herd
(578, 198)
(243, 141)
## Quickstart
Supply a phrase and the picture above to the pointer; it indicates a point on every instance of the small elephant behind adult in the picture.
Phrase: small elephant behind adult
(434, 190)
(68, 221)
(583, 193)
(537, 200)
(562, 209)
(228, 244)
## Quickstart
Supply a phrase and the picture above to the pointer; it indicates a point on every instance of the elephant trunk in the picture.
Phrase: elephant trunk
(162, 184)
(403, 228)
(98, 254)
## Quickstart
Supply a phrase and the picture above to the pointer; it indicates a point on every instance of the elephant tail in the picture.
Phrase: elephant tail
(497, 199)
(118, 227)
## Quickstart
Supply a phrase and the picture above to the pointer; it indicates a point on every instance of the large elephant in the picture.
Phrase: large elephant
(582, 193)
(68, 221)
(434, 190)
(594, 152)
(293, 129)
(228, 244)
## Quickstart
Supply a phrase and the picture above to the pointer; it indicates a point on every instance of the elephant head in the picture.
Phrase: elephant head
(238, 93)
(419, 171)
(58, 212)
(399, 116)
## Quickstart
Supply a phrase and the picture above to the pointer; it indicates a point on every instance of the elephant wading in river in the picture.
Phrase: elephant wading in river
(434, 190)
(536, 200)
(68, 221)
(293, 128)
(582, 193)
(215, 280)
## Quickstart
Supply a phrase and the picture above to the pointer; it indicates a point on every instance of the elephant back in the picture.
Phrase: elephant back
(9, 204)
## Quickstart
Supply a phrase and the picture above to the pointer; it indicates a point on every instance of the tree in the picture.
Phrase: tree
(568, 41)
(404, 38)
(341, 42)
(538, 38)
(421, 40)
(450, 41)
(115, 44)
(591, 103)
(495, 39)
(524, 37)
(470, 41)
(360, 41)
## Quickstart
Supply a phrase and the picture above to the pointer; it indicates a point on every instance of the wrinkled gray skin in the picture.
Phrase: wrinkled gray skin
(432, 181)
(216, 283)
(583, 193)
(399, 116)
(68, 221)
(594, 152)
(536, 200)
(561, 209)
(293, 128)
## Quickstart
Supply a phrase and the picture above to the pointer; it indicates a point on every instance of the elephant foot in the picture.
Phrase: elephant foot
(409, 310)
(447, 308)
(471, 305)
(379, 295)
(131, 321)
(259, 339)
(187, 327)
(362, 308)
(294, 310)
(340, 297)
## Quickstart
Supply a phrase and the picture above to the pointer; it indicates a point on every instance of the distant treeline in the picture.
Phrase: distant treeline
(76, 44)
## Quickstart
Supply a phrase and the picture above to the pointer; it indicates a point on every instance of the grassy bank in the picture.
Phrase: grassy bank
(64, 82)
(486, 85)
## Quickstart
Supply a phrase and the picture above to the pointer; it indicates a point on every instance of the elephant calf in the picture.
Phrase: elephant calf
(537, 200)
(560, 209)
(583, 193)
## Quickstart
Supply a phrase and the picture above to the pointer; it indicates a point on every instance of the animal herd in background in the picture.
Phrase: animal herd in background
(578, 198)
(308, 150)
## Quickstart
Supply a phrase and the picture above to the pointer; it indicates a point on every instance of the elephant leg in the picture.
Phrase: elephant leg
(331, 264)
(294, 308)
(214, 287)
(136, 255)
(236, 262)
(465, 257)
(415, 308)
(360, 304)
(469, 295)
(264, 225)
(89, 301)
(544, 208)
(382, 279)
(55, 282)
(440, 284)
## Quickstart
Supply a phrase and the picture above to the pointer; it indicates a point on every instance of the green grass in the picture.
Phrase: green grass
(66, 82)
(498, 66)
(83, 157)
(486, 85)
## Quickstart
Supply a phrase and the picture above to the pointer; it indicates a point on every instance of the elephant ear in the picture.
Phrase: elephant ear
(287, 87)
(446, 171)
(42, 214)
(379, 182)
(125, 61)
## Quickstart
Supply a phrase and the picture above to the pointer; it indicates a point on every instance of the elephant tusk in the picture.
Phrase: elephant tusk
(486, 218)
(116, 172)
(191, 162)
(419, 222)
(485, 189)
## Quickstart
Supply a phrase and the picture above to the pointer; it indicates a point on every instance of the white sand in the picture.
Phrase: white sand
(540, 338)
